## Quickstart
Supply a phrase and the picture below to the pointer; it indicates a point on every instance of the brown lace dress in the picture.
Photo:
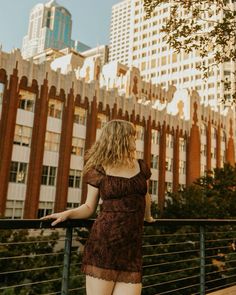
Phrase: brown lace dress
(113, 250)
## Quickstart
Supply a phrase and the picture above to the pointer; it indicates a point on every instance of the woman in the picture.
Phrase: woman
(112, 256)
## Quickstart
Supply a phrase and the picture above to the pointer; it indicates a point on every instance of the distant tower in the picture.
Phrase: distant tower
(120, 32)
(50, 26)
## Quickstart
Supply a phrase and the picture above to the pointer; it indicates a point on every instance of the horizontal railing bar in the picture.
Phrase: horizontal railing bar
(218, 240)
(29, 256)
(174, 290)
(170, 262)
(31, 242)
(221, 271)
(167, 282)
(30, 269)
(170, 235)
(170, 253)
(219, 232)
(77, 289)
(29, 284)
(218, 279)
(39, 224)
(168, 272)
(216, 248)
(171, 244)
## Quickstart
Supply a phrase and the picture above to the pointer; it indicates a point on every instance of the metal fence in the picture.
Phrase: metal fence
(181, 257)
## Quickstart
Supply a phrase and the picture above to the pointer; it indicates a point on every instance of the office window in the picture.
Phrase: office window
(143, 66)
(139, 132)
(153, 185)
(18, 172)
(174, 58)
(163, 60)
(154, 161)
(49, 175)
(43, 212)
(22, 135)
(186, 67)
(74, 178)
(203, 150)
(52, 141)
(2, 86)
(168, 187)
(169, 141)
(182, 167)
(169, 164)
(182, 144)
(78, 146)
(155, 136)
(27, 100)
(80, 116)
(55, 108)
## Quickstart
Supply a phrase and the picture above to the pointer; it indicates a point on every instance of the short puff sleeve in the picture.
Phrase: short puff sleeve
(94, 177)
(145, 169)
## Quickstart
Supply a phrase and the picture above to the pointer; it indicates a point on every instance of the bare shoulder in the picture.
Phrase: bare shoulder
(124, 170)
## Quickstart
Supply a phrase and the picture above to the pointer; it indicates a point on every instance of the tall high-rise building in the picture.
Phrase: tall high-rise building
(147, 49)
(120, 32)
(50, 26)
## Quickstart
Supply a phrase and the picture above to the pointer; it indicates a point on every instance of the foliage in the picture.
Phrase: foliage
(31, 262)
(209, 27)
(25, 261)
(212, 196)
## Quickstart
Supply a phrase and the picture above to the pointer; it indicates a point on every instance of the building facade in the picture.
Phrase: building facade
(50, 26)
(145, 48)
(48, 120)
(120, 32)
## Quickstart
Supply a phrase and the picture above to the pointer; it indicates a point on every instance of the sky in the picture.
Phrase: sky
(90, 20)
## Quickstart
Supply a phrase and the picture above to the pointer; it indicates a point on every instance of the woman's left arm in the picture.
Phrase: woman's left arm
(148, 215)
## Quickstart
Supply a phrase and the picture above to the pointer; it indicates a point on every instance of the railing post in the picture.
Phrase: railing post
(66, 262)
(202, 260)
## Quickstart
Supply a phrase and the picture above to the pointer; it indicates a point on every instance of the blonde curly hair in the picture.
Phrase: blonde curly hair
(115, 146)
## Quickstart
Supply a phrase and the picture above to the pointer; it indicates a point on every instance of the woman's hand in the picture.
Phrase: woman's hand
(150, 219)
(60, 217)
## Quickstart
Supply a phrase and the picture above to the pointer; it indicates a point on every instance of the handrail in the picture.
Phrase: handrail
(38, 223)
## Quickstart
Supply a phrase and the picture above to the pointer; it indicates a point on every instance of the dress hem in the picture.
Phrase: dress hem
(112, 275)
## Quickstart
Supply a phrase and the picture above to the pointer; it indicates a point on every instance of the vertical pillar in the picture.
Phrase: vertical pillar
(8, 121)
(36, 153)
(114, 114)
(162, 168)
(230, 154)
(176, 161)
(209, 154)
(193, 151)
(218, 147)
(3, 80)
(147, 141)
(64, 154)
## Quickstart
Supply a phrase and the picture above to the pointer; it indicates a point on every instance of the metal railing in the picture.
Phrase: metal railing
(181, 257)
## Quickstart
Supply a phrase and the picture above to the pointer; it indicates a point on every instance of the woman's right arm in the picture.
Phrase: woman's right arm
(82, 212)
